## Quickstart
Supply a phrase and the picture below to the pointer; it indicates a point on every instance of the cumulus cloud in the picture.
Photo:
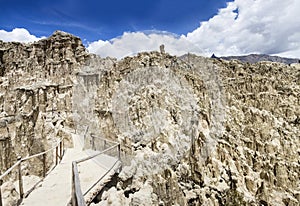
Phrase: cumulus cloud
(17, 34)
(131, 43)
(258, 26)
(243, 27)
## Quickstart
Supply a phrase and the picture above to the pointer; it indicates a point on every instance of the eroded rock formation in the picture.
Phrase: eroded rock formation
(36, 93)
(243, 134)
(194, 131)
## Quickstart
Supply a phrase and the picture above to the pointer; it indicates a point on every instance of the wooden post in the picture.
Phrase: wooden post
(44, 165)
(73, 196)
(77, 196)
(63, 147)
(104, 144)
(60, 150)
(119, 152)
(1, 182)
(20, 178)
(56, 155)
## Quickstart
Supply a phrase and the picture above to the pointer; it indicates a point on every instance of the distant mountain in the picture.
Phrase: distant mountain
(253, 58)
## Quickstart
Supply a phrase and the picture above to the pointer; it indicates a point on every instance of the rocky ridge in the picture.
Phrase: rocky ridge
(194, 131)
(254, 58)
(36, 93)
(243, 138)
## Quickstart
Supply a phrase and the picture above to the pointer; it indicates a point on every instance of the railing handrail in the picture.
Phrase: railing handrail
(108, 171)
(27, 158)
(77, 196)
(41, 153)
(107, 140)
(97, 154)
(58, 146)
(10, 169)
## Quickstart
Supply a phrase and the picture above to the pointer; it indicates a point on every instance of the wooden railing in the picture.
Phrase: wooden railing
(59, 147)
(77, 198)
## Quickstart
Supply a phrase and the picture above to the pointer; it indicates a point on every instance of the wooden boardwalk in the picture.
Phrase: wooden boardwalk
(56, 188)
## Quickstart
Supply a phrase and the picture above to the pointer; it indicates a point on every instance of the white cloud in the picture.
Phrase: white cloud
(270, 27)
(17, 34)
(259, 26)
(131, 43)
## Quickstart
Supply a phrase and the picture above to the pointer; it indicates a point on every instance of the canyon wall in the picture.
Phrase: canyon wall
(193, 130)
(36, 94)
(199, 131)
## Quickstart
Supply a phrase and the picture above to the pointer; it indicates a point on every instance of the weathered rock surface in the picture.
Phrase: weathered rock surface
(36, 93)
(243, 139)
(194, 131)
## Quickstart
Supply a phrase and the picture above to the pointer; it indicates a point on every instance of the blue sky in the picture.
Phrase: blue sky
(93, 20)
(121, 28)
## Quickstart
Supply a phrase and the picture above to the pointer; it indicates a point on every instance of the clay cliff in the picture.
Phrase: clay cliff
(193, 130)
(36, 93)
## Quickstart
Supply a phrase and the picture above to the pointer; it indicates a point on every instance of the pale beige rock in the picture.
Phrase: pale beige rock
(194, 131)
